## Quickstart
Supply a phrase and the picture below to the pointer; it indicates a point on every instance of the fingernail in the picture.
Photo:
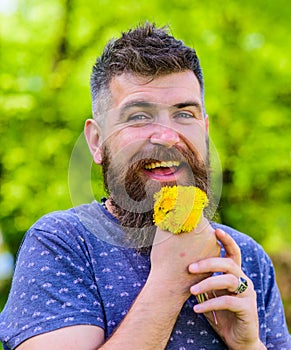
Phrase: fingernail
(193, 267)
(197, 308)
(194, 290)
(221, 232)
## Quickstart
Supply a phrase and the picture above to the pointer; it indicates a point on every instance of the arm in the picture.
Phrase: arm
(149, 323)
(82, 337)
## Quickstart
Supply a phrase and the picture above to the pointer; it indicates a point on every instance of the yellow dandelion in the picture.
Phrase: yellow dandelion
(179, 208)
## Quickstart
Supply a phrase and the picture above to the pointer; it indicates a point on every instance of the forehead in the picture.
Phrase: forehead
(169, 89)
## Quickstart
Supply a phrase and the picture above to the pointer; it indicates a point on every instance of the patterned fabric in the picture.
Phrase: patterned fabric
(72, 269)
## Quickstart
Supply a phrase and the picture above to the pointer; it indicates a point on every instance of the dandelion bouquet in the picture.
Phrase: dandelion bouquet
(179, 208)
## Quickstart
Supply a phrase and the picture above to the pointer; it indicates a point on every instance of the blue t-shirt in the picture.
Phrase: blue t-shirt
(73, 269)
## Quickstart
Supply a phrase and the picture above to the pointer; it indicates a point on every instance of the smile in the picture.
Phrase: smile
(163, 170)
(169, 164)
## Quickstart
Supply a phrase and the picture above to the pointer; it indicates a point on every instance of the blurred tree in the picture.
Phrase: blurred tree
(47, 50)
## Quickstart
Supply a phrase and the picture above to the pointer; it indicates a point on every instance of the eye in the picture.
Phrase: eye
(138, 117)
(184, 115)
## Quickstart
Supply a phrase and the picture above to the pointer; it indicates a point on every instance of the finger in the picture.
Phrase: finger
(226, 302)
(227, 282)
(224, 265)
(231, 248)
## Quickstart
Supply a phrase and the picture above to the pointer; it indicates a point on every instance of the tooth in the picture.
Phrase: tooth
(162, 164)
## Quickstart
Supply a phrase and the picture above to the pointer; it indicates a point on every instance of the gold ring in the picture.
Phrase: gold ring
(242, 285)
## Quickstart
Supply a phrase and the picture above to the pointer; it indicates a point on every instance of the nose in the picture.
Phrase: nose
(164, 136)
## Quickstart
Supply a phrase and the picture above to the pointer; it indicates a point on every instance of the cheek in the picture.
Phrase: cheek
(127, 142)
(197, 139)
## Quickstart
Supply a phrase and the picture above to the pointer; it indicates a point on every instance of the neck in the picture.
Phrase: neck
(138, 227)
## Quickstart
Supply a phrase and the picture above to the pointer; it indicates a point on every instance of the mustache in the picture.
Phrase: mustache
(160, 153)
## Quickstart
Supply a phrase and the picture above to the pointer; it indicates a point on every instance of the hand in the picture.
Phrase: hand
(172, 254)
(236, 314)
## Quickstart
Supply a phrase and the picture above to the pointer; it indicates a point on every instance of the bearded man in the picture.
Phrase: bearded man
(103, 275)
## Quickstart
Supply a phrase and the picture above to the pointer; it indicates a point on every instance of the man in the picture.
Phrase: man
(103, 275)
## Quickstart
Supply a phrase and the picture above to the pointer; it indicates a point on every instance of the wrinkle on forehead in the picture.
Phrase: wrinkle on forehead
(162, 90)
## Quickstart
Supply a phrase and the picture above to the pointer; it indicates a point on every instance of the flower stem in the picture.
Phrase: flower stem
(201, 298)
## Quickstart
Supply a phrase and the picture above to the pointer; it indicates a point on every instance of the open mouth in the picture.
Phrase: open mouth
(162, 169)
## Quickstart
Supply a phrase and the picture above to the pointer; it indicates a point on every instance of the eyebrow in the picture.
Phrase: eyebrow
(188, 104)
(133, 104)
(145, 104)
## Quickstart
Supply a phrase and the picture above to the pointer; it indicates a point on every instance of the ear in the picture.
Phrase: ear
(92, 134)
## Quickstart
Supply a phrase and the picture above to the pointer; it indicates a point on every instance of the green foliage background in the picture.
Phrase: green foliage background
(47, 50)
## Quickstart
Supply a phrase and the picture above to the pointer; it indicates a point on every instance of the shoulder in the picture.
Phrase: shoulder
(90, 223)
(70, 218)
(60, 230)
(66, 222)
(54, 284)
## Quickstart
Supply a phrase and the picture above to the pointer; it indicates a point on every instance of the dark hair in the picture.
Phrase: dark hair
(146, 51)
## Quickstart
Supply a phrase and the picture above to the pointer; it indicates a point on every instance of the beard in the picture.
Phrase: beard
(132, 192)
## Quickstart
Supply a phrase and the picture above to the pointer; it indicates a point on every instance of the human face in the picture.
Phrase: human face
(164, 113)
